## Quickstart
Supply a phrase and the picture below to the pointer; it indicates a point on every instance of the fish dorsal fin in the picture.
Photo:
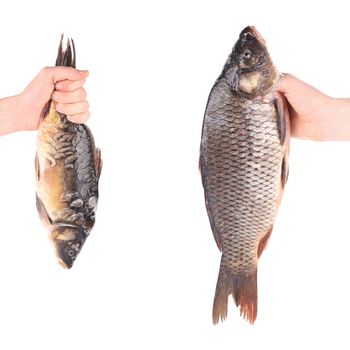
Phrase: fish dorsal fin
(44, 216)
(216, 233)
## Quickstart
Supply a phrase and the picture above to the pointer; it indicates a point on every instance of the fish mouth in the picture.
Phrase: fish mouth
(68, 241)
(65, 265)
(252, 31)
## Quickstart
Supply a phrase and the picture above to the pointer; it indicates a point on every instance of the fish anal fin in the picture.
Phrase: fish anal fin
(285, 169)
(216, 233)
(37, 167)
(99, 162)
(244, 292)
(44, 216)
(263, 242)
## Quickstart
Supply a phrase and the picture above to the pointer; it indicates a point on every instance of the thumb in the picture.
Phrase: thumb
(55, 74)
(290, 85)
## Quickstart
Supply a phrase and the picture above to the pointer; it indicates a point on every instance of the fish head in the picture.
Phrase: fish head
(249, 69)
(67, 241)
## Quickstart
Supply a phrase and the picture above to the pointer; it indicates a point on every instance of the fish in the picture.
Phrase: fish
(244, 166)
(68, 167)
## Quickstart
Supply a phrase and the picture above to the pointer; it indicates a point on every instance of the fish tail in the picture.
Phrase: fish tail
(66, 57)
(244, 292)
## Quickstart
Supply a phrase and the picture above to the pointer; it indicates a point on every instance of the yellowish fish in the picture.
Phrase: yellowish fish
(68, 167)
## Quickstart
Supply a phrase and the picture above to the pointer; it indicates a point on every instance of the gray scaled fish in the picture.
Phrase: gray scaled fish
(244, 167)
(68, 167)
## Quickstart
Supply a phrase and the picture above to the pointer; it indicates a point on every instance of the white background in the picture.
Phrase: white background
(146, 277)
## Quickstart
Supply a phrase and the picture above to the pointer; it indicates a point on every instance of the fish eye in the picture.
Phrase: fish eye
(247, 54)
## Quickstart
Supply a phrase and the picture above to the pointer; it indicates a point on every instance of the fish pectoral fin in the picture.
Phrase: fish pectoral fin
(284, 133)
(99, 162)
(44, 216)
(37, 167)
(281, 118)
(45, 111)
(216, 233)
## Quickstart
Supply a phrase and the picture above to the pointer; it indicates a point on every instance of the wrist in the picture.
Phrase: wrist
(320, 124)
(330, 122)
(10, 115)
(337, 121)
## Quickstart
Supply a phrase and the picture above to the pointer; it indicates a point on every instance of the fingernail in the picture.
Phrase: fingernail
(58, 86)
(83, 71)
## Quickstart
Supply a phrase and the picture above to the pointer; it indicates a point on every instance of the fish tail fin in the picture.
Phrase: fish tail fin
(243, 290)
(66, 57)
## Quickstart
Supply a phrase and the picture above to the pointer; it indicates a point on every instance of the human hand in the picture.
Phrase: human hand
(311, 111)
(64, 85)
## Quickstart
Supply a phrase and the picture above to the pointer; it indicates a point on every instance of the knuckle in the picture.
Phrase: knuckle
(64, 109)
(82, 93)
(45, 70)
(71, 118)
(56, 96)
(76, 85)
(59, 107)
(67, 84)
(62, 85)
(79, 118)
(85, 116)
(81, 83)
(71, 108)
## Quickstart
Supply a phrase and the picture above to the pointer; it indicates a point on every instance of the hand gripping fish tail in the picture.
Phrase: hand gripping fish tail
(244, 167)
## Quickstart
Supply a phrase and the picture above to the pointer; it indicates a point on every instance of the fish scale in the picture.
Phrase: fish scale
(244, 145)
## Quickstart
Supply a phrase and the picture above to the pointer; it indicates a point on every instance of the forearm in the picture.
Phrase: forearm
(330, 121)
(10, 115)
(337, 122)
